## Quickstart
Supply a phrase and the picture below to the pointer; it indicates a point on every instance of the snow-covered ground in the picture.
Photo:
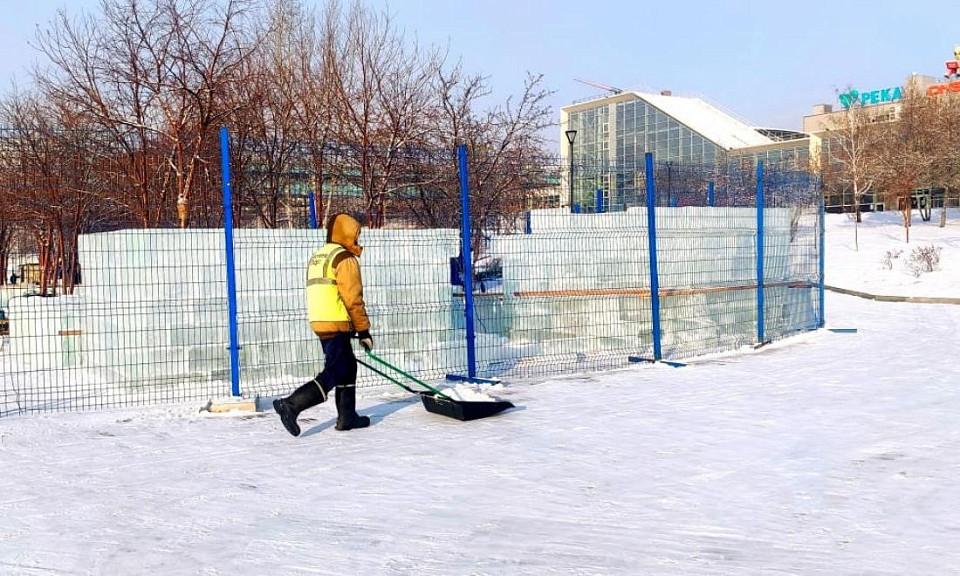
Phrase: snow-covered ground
(882, 232)
(826, 454)
(823, 454)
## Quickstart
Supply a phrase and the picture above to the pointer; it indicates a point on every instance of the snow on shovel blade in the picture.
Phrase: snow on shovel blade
(462, 409)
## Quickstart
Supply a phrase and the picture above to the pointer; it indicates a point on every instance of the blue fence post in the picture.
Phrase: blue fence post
(822, 284)
(652, 244)
(465, 237)
(710, 198)
(527, 222)
(231, 270)
(599, 200)
(761, 336)
(312, 198)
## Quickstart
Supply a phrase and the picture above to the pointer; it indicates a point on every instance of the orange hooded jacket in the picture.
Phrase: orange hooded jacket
(344, 230)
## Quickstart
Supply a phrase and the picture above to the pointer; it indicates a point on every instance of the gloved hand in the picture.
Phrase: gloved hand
(365, 340)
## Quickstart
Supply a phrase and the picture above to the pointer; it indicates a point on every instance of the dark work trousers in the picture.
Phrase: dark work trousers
(340, 365)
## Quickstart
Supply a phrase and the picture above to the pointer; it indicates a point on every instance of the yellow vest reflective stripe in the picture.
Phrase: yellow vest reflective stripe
(323, 300)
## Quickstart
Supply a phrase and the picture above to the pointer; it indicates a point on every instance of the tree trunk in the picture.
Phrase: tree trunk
(62, 262)
(856, 202)
(6, 237)
(907, 217)
(69, 261)
(943, 208)
(44, 253)
(183, 211)
(856, 221)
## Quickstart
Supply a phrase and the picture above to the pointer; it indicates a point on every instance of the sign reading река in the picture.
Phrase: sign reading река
(894, 94)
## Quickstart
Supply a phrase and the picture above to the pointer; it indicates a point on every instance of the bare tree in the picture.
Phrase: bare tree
(315, 64)
(51, 180)
(852, 142)
(335, 99)
(435, 201)
(946, 166)
(7, 227)
(508, 140)
(383, 98)
(153, 74)
(106, 68)
(8, 213)
(267, 121)
(508, 169)
(906, 158)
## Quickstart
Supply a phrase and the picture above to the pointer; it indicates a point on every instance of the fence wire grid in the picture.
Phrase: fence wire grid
(561, 270)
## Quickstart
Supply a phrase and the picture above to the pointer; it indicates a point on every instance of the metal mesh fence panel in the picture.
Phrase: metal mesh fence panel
(415, 312)
(406, 284)
(565, 290)
(95, 310)
(709, 270)
(570, 295)
(792, 205)
(576, 283)
(118, 307)
(706, 257)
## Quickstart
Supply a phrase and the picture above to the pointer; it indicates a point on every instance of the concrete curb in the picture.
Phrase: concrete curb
(879, 298)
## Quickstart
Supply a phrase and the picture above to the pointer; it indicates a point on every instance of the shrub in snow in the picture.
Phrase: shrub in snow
(923, 259)
(889, 257)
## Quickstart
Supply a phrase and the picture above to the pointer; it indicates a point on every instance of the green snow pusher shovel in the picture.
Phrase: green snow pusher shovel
(436, 401)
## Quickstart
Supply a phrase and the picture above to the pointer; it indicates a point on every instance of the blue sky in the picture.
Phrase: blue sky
(767, 62)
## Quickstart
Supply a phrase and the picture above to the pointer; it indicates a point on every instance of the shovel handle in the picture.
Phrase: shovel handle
(383, 362)
(388, 377)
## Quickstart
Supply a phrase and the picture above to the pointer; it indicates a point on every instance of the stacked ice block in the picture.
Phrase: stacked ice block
(406, 279)
(407, 283)
(579, 283)
(44, 332)
(156, 303)
(572, 286)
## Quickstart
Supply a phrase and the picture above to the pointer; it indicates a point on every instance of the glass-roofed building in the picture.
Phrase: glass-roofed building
(614, 132)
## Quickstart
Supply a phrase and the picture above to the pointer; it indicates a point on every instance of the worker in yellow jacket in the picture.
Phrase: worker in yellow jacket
(336, 312)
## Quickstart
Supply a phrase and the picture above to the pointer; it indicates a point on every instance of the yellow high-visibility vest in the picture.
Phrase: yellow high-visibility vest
(323, 299)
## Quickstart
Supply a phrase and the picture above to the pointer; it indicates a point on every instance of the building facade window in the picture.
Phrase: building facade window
(613, 137)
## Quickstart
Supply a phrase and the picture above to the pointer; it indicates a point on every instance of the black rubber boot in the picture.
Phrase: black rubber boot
(347, 417)
(306, 396)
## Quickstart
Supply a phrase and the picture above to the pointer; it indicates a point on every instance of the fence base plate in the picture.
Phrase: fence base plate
(642, 359)
(474, 380)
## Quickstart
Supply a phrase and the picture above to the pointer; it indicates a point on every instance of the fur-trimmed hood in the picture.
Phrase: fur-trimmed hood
(344, 230)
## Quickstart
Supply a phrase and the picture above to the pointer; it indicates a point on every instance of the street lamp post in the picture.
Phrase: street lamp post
(571, 136)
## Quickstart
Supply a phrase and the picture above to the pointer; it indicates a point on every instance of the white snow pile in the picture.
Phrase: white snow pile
(473, 392)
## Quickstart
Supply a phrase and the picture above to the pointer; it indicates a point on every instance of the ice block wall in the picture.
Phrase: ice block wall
(152, 308)
(579, 283)
(406, 279)
(155, 304)
(44, 332)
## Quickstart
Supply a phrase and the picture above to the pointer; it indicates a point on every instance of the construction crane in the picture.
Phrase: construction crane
(610, 89)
